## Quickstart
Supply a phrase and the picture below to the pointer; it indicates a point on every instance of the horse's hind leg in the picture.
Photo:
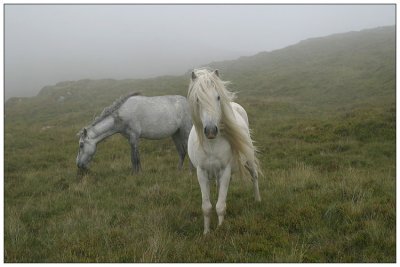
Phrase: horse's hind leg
(135, 157)
(180, 147)
(254, 179)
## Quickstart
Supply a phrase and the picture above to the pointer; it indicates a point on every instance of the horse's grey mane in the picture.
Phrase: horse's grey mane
(114, 106)
(110, 110)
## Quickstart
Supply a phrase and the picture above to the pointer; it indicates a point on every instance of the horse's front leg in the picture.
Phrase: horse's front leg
(206, 206)
(223, 185)
(135, 157)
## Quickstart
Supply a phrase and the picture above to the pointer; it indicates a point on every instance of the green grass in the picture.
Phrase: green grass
(328, 194)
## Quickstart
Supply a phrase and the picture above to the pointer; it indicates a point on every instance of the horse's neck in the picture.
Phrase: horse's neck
(103, 129)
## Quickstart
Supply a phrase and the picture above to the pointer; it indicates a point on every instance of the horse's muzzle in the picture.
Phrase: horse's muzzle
(82, 171)
(211, 131)
(81, 166)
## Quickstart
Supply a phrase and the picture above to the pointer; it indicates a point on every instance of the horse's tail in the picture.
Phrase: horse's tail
(255, 164)
(251, 163)
(246, 152)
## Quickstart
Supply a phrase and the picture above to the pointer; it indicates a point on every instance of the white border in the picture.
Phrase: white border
(294, 2)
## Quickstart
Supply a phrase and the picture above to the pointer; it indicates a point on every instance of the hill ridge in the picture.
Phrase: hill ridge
(335, 70)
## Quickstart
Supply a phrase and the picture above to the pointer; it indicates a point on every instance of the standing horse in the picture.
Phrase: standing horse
(219, 142)
(135, 117)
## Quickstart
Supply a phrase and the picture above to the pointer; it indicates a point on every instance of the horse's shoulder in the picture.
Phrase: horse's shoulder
(131, 105)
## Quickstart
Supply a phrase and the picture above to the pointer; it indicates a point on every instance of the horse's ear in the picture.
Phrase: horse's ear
(193, 76)
(216, 72)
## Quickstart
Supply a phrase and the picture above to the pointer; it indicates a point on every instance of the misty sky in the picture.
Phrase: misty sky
(45, 44)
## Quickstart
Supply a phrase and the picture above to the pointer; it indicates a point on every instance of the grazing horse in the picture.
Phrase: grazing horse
(135, 117)
(219, 141)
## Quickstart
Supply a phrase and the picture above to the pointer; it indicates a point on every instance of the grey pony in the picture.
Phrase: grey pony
(135, 117)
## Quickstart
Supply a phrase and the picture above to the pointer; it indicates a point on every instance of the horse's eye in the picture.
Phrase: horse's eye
(218, 98)
(81, 145)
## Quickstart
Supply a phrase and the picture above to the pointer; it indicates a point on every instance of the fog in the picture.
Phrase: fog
(45, 44)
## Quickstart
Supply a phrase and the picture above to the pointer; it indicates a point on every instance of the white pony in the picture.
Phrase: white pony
(219, 141)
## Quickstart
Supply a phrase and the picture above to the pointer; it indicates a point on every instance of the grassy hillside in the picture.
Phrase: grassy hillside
(323, 115)
(342, 69)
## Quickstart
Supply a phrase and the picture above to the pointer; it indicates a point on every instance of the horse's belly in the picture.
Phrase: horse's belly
(159, 126)
(158, 131)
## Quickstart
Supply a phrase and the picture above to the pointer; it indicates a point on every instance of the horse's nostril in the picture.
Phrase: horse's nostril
(211, 131)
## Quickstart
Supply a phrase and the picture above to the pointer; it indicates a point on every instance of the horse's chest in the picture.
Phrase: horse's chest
(215, 157)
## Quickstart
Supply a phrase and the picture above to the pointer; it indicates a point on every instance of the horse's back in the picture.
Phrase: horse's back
(155, 117)
(239, 110)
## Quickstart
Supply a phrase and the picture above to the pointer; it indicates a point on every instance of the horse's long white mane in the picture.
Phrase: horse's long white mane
(237, 135)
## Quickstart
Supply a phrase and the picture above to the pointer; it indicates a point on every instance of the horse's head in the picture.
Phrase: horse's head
(208, 99)
(87, 148)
